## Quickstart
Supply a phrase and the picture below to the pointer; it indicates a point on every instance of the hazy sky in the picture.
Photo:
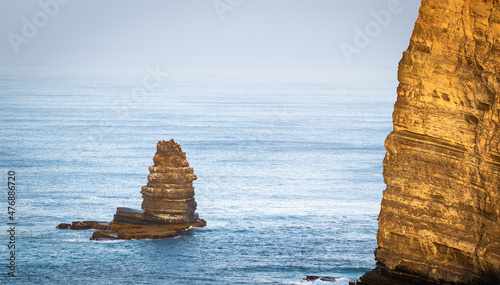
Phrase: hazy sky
(206, 33)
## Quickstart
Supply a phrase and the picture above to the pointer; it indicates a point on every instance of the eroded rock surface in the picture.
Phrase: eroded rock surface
(168, 206)
(440, 214)
(169, 193)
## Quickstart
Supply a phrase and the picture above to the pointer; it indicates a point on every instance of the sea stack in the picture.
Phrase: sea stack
(168, 197)
(169, 194)
(440, 215)
(168, 203)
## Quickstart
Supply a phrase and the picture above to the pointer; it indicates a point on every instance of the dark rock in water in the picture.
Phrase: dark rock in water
(128, 215)
(325, 278)
(98, 225)
(79, 226)
(103, 235)
(168, 206)
(85, 225)
(64, 226)
(381, 277)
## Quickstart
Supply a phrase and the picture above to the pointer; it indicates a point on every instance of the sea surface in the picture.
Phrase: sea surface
(289, 175)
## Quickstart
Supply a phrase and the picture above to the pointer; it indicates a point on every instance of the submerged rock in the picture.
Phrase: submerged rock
(324, 278)
(168, 203)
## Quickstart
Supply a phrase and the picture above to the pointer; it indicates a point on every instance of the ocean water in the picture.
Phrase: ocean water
(289, 176)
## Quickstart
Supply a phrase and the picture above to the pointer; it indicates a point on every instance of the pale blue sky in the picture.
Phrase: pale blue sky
(206, 33)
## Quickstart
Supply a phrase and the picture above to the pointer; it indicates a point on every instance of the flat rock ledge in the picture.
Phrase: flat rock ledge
(380, 276)
(133, 229)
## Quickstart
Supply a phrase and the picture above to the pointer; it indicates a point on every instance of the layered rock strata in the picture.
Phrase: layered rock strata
(169, 193)
(168, 202)
(440, 215)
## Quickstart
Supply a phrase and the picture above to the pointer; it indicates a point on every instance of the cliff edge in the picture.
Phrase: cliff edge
(440, 215)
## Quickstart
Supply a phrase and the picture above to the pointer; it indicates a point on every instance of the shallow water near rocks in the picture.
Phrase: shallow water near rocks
(289, 176)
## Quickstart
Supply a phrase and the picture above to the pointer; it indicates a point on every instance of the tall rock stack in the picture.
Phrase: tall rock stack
(168, 206)
(169, 194)
(440, 217)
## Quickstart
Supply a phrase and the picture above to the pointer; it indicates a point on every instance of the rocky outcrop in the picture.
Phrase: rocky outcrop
(85, 225)
(168, 196)
(168, 202)
(440, 216)
(170, 193)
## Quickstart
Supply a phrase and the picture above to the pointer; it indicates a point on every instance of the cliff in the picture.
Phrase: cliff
(440, 215)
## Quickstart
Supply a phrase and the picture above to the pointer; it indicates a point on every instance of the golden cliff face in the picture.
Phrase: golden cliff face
(440, 215)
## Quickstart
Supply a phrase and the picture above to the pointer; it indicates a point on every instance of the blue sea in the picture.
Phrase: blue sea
(289, 175)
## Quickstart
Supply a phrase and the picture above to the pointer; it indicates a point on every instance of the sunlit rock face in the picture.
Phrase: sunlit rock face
(169, 193)
(440, 215)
